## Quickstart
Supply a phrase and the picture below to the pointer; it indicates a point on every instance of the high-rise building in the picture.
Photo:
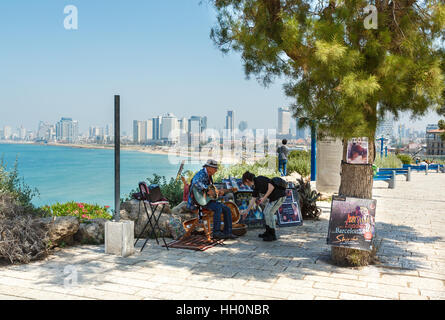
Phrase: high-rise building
(242, 125)
(169, 127)
(157, 122)
(230, 120)
(7, 132)
(43, 132)
(385, 127)
(183, 125)
(67, 130)
(300, 133)
(283, 121)
(142, 131)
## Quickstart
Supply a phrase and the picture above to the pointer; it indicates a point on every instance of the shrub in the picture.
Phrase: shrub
(391, 161)
(265, 167)
(299, 161)
(11, 183)
(83, 211)
(405, 158)
(308, 200)
(21, 238)
(172, 190)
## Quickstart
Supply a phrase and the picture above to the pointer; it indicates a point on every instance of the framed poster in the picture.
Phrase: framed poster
(352, 223)
(255, 217)
(289, 214)
(358, 151)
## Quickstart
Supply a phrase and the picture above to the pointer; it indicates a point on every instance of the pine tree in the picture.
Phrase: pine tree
(342, 74)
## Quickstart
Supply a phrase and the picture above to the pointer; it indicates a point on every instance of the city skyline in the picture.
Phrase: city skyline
(76, 73)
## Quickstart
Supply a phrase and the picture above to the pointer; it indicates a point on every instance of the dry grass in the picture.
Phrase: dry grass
(21, 238)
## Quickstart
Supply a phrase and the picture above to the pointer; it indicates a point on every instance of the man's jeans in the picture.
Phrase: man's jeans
(218, 209)
(270, 209)
(282, 164)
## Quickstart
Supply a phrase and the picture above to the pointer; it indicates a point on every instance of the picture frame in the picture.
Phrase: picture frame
(289, 214)
(358, 152)
(352, 223)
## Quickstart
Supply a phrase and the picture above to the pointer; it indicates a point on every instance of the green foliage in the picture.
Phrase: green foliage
(405, 158)
(441, 125)
(299, 161)
(11, 183)
(391, 161)
(83, 211)
(265, 167)
(340, 74)
(308, 200)
(172, 190)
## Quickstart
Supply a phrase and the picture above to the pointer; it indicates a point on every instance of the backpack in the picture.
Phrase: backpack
(279, 183)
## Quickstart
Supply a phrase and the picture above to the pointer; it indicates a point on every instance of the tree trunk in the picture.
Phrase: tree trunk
(357, 182)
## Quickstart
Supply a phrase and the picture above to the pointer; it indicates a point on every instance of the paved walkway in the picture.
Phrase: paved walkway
(410, 220)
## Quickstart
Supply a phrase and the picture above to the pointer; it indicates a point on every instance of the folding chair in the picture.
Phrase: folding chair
(153, 206)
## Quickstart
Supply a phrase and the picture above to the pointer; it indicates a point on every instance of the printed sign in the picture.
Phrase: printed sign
(358, 151)
(352, 223)
(289, 214)
(255, 217)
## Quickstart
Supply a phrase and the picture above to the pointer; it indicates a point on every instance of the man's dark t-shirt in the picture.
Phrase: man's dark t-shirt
(261, 185)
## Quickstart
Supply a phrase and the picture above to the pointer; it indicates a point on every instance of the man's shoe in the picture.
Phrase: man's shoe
(263, 235)
(230, 236)
(271, 236)
(218, 236)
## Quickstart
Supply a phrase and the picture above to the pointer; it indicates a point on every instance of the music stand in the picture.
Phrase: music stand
(153, 207)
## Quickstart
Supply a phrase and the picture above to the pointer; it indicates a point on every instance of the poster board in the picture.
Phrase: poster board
(357, 151)
(289, 214)
(255, 217)
(352, 223)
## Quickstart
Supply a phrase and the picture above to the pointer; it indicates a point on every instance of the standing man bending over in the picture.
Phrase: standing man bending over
(276, 196)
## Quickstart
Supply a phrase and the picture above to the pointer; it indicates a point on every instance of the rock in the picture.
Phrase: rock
(91, 232)
(60, 229)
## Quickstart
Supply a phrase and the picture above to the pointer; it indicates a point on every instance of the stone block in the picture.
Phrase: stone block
(119, 238)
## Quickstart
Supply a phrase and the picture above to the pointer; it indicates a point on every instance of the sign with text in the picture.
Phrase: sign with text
(352, 223)
(289, 214)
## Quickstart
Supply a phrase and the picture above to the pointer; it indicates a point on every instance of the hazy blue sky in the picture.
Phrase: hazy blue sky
(156, 54)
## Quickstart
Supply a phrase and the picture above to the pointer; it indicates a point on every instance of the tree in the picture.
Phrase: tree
(342, 75)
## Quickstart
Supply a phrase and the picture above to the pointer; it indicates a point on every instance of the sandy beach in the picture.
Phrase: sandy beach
(226, 158)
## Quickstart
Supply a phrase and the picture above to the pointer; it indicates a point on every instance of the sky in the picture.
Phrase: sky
(157, 55)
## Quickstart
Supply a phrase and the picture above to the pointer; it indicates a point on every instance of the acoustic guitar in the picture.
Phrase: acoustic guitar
(204, 197)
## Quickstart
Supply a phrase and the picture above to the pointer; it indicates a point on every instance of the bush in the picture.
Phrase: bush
(83, 211)
(405, 158)
(15, 187)
(308, 200)
(391, 161)
(172, 190)
(21, 239)
(299, 161)
(265, 167)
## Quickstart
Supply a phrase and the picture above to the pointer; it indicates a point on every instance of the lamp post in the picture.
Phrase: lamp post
(313, 151)
(117, 158)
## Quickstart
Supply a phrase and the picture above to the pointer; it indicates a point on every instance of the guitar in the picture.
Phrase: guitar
(212, 193)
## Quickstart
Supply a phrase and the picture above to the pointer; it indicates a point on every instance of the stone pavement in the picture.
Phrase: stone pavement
(410, 220)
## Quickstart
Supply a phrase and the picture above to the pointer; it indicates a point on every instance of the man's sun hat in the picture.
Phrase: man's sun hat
(211, 163)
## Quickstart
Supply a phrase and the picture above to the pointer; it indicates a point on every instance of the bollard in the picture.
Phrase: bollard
(408, 176)
(392, 182)
(426, 169)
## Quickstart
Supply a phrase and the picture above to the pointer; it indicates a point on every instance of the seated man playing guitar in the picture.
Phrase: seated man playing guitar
(203, 192)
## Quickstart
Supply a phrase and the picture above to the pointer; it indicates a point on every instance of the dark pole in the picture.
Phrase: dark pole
(313, 151)
(117, 158)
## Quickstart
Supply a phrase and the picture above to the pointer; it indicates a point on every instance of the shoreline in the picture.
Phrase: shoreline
(202, 156)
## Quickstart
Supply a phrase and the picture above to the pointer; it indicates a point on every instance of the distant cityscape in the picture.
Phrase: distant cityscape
(167, 130)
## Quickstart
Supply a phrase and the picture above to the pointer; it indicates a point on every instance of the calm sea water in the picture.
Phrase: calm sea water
(64, 174)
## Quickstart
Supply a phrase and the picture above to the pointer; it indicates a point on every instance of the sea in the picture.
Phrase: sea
(63, 174)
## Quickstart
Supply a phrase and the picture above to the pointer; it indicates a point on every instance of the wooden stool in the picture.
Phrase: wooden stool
(205, 223)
